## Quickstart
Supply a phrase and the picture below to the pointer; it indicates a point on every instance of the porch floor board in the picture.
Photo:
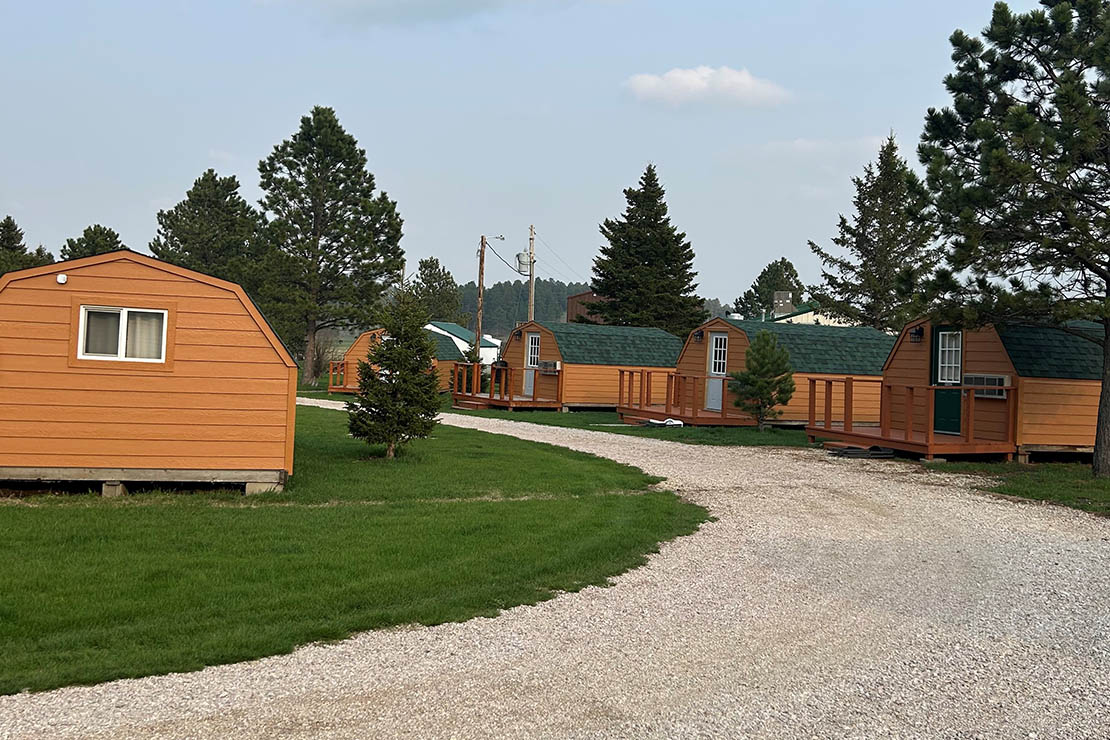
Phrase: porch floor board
(943, 444)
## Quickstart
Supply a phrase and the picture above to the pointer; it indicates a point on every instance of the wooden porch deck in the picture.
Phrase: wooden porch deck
(501, 390)
(913, 429)
(342, 377)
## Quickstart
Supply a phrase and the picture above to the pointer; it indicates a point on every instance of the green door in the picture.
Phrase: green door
(947, 370)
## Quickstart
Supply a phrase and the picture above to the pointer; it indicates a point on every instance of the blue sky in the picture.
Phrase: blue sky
(479, 115)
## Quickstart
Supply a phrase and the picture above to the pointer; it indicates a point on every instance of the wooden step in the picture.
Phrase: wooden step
(470, 405)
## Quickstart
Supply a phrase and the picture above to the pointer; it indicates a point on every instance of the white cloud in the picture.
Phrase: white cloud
(707, 84)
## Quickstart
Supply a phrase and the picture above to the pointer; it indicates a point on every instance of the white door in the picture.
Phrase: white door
(716, 371)
(531, 362)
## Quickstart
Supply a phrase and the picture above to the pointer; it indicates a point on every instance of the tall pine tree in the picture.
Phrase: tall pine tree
(647, 270)
(888, 250)
(95, 239)
(14, 254)
(759, 300)
(436, 288)
(341, 240)
(213, 230)
(1019, 172)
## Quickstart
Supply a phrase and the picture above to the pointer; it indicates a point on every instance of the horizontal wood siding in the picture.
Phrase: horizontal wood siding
(600, 384)
(909, 365)
(221, 402)
(985, 354)
(1055, 411)
(361, 346)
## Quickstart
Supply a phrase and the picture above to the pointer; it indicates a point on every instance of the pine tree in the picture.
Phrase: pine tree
(341, 240)
(888, 246)
(398, 394)
(213, 230)
(14, 254)
(767, 381)
(1020, 178)
(759, 300)
(95, 239)
(647, 270)
(436, 288)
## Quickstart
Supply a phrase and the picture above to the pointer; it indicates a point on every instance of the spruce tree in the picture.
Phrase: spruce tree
(647, 270)
(340, 239)
(95, 239)
(887, 248)
(398, 393)
(14, 254)
(436, 288)
(213, 230)
(767, 381)
(759, 300)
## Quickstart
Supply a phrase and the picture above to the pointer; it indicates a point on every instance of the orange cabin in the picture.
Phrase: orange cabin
(343, 375)
(1005, 390)
(550, 365)
(698, 392)
(121, 367)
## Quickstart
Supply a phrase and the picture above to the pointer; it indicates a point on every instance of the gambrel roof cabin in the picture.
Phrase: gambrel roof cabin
(343, 375)
(554, 365)
(121, 367)
(698, 393)
(464, 339)
(1008, 390)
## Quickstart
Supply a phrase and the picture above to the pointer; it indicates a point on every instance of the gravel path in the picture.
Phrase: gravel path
(831, 598)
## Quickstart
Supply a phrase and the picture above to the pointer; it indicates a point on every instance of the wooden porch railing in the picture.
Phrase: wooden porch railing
(910, 414)
(685, 394)
(339, 372)
(466, 379)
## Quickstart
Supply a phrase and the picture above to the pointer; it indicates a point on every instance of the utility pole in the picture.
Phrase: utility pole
(531, 273)
(481, 280)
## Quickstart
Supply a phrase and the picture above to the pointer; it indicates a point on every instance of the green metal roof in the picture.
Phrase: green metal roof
(1043, 352)
(836, 350)
(603, 344)
(461, 332)
(445, 349)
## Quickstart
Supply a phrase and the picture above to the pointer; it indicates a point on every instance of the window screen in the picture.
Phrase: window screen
(144, 335)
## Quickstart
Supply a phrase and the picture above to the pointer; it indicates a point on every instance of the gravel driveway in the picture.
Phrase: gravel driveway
(830, 598)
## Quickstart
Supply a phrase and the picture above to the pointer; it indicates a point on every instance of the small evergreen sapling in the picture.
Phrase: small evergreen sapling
(768, 381)
(398, 394)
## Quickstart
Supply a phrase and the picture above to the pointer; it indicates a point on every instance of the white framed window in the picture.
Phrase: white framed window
(122, 334)
(1001, 381)
(718, 354)
(949, 359)
(532, 359)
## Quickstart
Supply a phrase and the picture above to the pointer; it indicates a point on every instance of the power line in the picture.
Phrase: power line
(490, 248)
(560, 258)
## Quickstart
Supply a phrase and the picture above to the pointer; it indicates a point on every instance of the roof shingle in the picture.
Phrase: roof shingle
(836, 350)
(603, 344)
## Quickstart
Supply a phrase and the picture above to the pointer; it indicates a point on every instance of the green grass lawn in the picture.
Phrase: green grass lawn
(462, 524)
(607, 421)
(1067, 484)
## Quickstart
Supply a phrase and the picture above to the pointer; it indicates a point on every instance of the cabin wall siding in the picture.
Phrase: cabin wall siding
(222, 401)
(1057, 411)
(600, 384)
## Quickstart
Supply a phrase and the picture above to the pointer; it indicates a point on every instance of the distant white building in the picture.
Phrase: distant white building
(464, 339)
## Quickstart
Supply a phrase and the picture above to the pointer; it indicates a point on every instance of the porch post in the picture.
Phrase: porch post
(930, 418)
(848, 404)
(886, 397)
(670, 390)
(813, 402)
(909, 413)
(828, 404)
(620, 387)
(970, 416)
(642, 389)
